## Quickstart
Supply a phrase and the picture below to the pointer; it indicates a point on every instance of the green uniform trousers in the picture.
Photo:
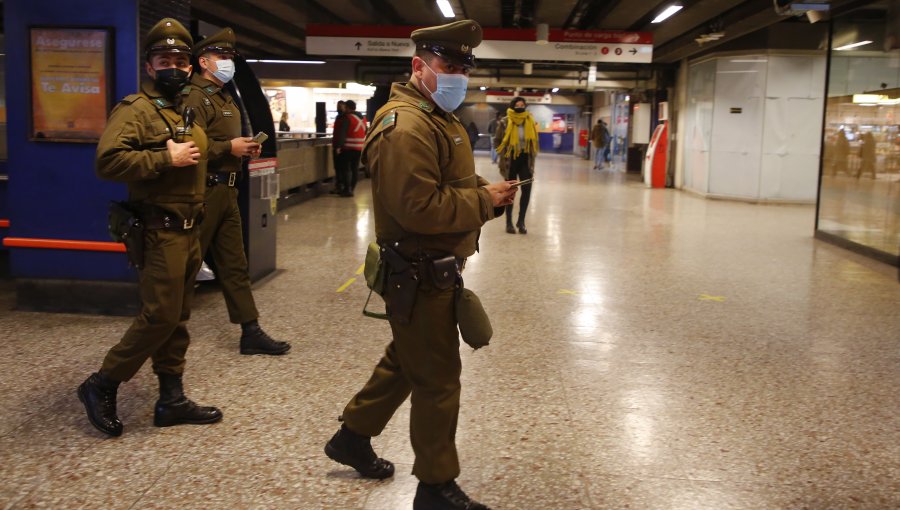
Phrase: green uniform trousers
(221, 234)
(423, 359)
(171, 262)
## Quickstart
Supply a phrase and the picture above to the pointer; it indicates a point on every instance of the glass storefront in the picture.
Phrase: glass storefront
(859, 194)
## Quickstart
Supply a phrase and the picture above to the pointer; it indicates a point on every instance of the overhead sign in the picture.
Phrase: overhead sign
(499, 43)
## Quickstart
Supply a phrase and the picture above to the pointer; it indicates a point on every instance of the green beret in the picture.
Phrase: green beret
(168, 36)
(220, 42)
(453, 41)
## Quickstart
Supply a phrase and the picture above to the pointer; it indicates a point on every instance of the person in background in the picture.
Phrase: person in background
(600, 138)
(472, 131)
(353, 136)
(517, 143)
(339, 186)
(492, 130)
(283, 123)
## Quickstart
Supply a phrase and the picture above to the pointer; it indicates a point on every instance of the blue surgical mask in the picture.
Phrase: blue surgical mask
(224, 70)
(451, 90)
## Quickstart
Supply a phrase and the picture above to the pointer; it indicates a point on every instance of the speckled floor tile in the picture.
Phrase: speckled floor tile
(652, 350)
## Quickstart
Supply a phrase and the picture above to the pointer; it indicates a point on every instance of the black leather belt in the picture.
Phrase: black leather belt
(167, 222)
(229, 179)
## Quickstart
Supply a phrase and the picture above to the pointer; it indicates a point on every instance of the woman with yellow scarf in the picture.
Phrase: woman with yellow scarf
(517, 144)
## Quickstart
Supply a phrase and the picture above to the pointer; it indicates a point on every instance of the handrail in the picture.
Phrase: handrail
(63, 244)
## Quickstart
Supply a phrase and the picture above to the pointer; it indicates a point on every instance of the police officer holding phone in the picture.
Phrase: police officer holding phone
(148, 145)
(221, 233)
(429, 206)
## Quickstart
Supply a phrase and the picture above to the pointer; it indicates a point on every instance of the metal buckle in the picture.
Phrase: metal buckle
(188, 224)
(231, 178)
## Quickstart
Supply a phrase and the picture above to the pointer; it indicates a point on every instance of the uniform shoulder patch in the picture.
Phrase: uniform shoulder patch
(389, 120)
(211, 89)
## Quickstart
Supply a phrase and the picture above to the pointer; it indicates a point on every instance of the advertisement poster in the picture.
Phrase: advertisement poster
(70, 85)
(560, 123)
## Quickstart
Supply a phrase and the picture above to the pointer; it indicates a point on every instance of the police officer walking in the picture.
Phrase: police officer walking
(429, 206)
(221, 233)
(148, 145)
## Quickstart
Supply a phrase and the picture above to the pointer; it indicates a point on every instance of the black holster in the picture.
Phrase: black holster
(125, 226)
(402, 283)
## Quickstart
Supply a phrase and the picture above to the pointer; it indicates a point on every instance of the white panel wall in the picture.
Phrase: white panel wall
(737, 137)
(753, 127)
(697, 134)
(794, 104)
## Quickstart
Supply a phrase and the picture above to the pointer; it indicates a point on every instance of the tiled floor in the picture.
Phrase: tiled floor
(652, 350)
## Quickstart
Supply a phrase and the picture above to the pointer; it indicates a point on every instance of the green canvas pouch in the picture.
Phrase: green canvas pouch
(474, 324)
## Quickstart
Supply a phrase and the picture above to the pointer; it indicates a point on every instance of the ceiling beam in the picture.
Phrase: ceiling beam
(249, 37)
(316, 12)
(253, 17)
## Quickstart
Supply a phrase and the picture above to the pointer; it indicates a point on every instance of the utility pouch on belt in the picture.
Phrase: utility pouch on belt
(474, 324)
(125, 226)
(444, 272)
(401, 284)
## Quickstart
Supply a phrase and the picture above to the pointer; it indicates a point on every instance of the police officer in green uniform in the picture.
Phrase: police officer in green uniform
(429, 205)
(148, 145)
(221, 234)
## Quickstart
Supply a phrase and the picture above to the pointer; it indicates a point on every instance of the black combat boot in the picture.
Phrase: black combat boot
(509, 226)
(444, 496)
(521, 226)
(173, 408)
(98, 394)
(255, 341)
(354, 450)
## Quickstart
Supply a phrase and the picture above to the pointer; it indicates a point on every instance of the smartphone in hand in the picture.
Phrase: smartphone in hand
(520, 183)
(260, 137)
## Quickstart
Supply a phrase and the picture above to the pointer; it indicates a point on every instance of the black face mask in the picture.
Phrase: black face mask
(170, 81)
(519, 109)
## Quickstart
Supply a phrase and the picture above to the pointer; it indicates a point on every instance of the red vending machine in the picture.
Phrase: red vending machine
(656, 160)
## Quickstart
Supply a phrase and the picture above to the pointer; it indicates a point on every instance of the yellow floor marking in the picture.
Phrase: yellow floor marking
(707, 297)
(360, 270)
(343, 287)
(567, 291)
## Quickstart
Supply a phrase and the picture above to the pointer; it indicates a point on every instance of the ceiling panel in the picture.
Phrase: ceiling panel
(625, 13)
(485, 13)
(690, 17)
(553, 12)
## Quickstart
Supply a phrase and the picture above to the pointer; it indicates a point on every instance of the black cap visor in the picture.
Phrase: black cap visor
(467, 60)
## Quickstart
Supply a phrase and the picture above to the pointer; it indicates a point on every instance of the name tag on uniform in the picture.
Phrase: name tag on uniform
(206, 101)
(457, 140)
(226, 113)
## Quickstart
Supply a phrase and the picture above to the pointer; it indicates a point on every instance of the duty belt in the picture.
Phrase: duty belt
(229, 179)
(167, 222)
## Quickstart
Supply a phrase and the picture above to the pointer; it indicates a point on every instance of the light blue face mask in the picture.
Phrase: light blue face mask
(451, 90)
(224, 70)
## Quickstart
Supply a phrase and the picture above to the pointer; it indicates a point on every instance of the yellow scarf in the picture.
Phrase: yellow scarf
(510, 146)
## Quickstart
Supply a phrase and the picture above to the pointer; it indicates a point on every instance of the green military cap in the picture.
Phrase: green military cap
(453, 41)
(220, 42)
(168, 36)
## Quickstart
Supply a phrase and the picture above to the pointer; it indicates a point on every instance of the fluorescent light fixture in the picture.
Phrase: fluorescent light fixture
(667, 13)
(528, 68)
(446, 9)
(554, 90)
(851, 46)
(592, 73)
(286, 61)
(749, 60)
(482, 88)
(874, 100)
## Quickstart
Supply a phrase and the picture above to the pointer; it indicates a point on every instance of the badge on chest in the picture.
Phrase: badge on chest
(227, 113)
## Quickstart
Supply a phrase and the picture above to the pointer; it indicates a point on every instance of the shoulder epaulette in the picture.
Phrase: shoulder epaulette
(131, 98)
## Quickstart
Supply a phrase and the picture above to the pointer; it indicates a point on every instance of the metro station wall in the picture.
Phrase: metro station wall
(752, 127)
(53, 192)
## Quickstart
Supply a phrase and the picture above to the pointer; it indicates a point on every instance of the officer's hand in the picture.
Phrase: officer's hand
(241, 147)
(502, 193)
(183, 154)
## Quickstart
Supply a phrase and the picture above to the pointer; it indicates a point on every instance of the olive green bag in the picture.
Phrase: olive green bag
(373, 270)
(474, 324)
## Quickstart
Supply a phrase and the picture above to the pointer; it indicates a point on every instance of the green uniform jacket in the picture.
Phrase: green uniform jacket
(425, 191)
(133, 150)
(220, 118)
